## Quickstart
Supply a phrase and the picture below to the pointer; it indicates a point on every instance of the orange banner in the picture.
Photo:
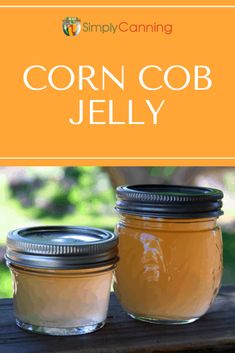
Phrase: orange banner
(117, 85)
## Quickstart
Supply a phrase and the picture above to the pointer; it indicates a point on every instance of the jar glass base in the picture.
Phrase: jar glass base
(55, 331)
(162, 321)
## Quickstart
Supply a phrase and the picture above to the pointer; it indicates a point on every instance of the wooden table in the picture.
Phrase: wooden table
(215, 332)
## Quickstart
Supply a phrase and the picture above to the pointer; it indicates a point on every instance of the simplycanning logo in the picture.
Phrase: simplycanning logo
(73, 25)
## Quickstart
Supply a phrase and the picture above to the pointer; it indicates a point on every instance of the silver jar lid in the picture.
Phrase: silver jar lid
(61, 247)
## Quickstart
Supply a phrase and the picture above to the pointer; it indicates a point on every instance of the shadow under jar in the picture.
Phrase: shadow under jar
(170, 249)
(62, 278)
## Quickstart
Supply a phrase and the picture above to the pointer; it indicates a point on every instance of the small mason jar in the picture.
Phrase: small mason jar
(170, 249)
(62, 278)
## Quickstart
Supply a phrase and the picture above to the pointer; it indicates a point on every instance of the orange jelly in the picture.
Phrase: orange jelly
(170, 250)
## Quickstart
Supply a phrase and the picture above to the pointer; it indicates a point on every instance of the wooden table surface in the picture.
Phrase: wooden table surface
(215, 332)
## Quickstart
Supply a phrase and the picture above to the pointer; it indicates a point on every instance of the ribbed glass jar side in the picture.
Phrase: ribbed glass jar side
(61, 302)
(170, 269)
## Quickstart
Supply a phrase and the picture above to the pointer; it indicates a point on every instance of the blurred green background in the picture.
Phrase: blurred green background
(86, 196)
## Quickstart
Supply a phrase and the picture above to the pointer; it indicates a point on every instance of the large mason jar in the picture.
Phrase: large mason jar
(170, 250)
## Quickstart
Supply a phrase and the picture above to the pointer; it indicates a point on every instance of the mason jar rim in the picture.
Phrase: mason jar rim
(62, 247)
(169, 201)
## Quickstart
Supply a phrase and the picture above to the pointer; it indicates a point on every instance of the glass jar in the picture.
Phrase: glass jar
(170, 249)
(62, 278)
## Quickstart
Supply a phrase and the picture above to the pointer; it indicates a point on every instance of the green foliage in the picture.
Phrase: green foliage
(5, 282)
(229, 181)
(71, 195)
(165, 173)
(77, 189)
(229, 257)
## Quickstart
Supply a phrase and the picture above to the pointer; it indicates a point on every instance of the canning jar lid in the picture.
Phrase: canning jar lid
(169, 201)
(60, 247)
